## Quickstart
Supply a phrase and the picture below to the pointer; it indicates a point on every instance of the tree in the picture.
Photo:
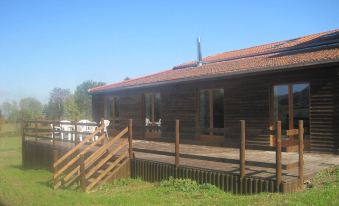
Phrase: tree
(30, 108)
(71, 110)
(1, 120)
(55, 107)
(83, 99)
(127, 78)
(10, 111)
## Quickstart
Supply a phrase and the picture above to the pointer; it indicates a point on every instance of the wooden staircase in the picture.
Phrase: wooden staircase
(88, 165)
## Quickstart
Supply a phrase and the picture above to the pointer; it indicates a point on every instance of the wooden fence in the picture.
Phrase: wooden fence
(44, 129)
(152, 170)
(149, 170)
(36, 156)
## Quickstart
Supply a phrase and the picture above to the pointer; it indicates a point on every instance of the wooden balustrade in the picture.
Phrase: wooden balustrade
(77, 166)
(242, 162)
(50, 130)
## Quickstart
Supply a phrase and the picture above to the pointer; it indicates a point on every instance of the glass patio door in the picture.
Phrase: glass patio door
(291, 104)
(152, 115)
(211, 114)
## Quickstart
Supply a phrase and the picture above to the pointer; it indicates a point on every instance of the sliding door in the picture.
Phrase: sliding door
(112, 112)
(152, 102)
(211, 114)
(291, 104)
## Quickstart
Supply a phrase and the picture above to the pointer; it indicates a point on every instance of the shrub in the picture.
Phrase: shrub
(183, 185)
(186, 185)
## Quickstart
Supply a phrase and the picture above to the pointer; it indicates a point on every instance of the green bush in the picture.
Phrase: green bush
(186, 185)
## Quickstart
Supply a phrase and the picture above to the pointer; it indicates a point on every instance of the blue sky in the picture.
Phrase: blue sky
(46, 44)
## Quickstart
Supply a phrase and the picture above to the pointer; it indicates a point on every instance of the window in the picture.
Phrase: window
(291, 104)
(152, 109)
(112, 108)
(211, 111)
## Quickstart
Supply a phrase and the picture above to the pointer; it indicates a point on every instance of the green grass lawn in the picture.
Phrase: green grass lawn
(32, 187)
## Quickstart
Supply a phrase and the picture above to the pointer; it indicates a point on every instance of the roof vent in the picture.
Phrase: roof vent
(199, 61)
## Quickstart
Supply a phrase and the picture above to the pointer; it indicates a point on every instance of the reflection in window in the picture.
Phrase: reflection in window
(301, 105)
(296, 97)
(281, 105)
(148, 109)
(152, 109)
(211, 109)
(157, 110)
(112, 108)
(218, 108)
(204, 109)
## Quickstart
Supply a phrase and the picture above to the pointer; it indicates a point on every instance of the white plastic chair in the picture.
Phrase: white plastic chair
(66, 128)
(53, 132)
(106, 123)
(148, 122)
(82, 128)
(86, 128)
(158, 123)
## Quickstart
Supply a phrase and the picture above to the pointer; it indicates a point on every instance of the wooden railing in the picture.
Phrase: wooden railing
(90, 165)
(242, 162)
(51, 130)
(68, 160)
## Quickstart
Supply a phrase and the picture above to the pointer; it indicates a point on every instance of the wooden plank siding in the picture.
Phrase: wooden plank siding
(325, 113)
(178, 102)
(245, 97)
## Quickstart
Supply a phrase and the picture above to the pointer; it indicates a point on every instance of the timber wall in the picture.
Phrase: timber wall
(247, 97)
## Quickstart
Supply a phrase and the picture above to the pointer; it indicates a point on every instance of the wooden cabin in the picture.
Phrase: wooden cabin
(291, 80)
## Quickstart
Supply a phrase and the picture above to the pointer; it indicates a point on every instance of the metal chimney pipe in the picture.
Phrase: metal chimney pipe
(199, 62)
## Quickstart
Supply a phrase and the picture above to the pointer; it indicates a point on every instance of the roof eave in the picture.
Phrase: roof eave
(237, 73)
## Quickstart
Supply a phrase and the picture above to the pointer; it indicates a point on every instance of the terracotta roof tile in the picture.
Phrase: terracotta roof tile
(308, 50)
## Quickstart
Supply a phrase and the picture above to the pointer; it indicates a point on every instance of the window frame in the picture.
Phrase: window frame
(212, 130)
(290, 104)
(153, 106)
(110, 113)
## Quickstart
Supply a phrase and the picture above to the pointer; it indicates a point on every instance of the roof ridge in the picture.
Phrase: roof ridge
(309, 49)
(282, 41)
(192, 63)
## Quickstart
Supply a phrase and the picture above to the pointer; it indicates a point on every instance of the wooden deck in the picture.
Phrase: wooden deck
(313, 162)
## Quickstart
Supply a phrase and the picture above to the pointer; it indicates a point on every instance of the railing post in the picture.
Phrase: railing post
(36, 131)
(82, 172)
(23, 144)
(55, 169)
(130, 133)
(278, 156)
(177, 142)
(301, 153)
(76, 140)
(53, 133)
(103, 129)
(242, 148)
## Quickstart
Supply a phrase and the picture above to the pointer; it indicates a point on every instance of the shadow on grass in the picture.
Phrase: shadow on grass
(27, 168)
(20, 167)
(48, 184)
